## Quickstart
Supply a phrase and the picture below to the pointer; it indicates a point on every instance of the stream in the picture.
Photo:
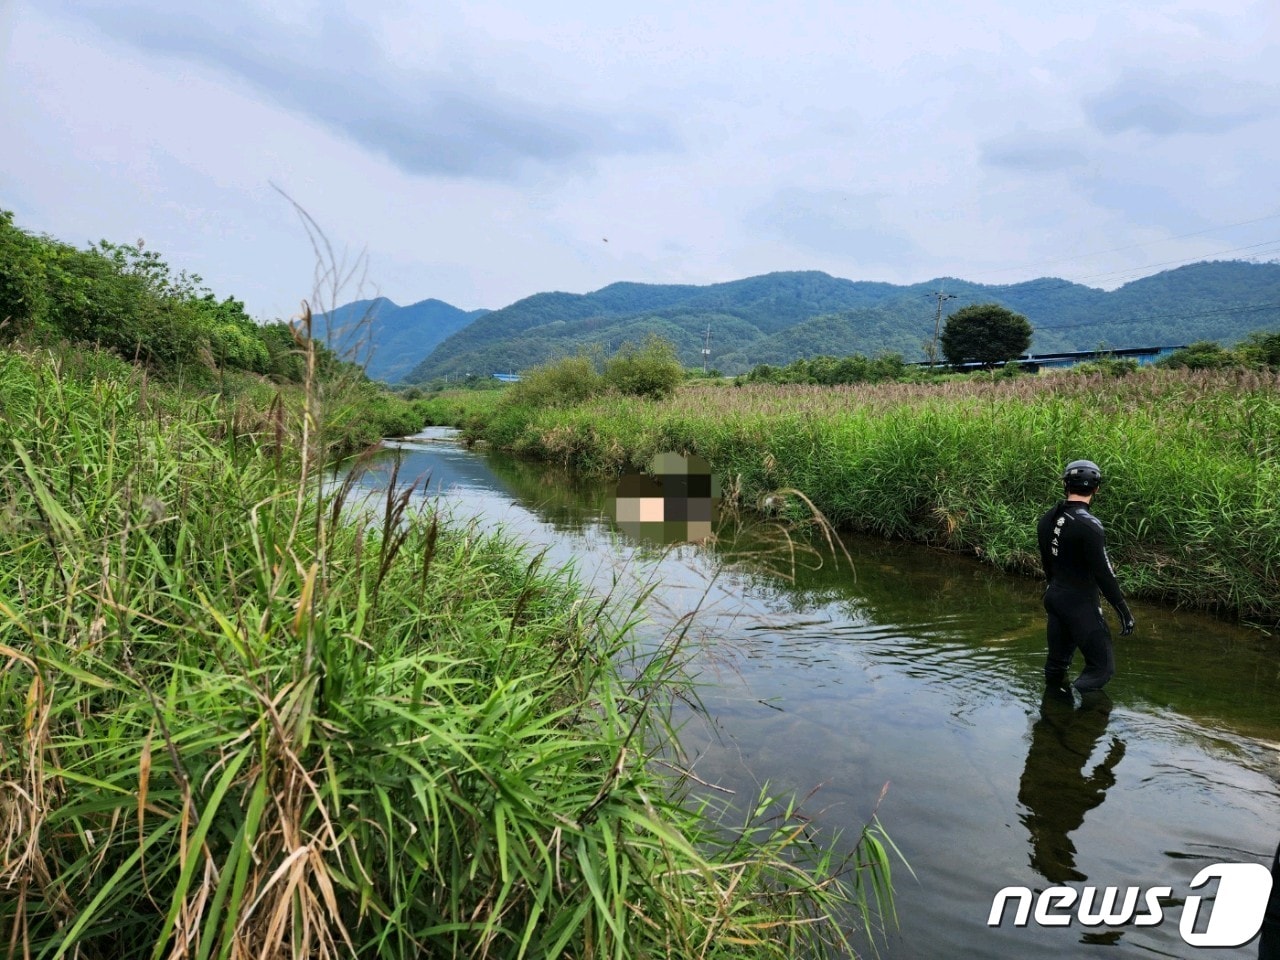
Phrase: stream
(905, 682)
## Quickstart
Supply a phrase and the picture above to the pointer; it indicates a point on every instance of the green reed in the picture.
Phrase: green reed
(1192, 461)
(243, 715)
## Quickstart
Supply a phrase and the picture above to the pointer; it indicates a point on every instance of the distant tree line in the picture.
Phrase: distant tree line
(1259, 349)
(782, 317)
(829, 371)
(970, 345)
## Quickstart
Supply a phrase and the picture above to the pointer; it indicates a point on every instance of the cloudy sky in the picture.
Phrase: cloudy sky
(485, 151)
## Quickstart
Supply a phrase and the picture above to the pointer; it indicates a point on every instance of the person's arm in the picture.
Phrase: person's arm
(1105, 577)
(1044, 533)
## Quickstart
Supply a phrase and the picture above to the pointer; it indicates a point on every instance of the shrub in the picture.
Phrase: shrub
(1201, 355)
(558, 383)
(1261, 348)
(23, 297)
(1110, 366)
(652, 370)
(830, 371)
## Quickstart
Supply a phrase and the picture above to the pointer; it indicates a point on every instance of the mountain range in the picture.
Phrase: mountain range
(779, 317)
(389, 340)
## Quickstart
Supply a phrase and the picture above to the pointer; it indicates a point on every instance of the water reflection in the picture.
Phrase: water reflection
(1055, 787)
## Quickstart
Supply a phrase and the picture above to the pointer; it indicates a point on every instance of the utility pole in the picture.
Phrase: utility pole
(937, 324)
(706, 349)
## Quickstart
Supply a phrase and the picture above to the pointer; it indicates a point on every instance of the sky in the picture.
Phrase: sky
(482, 152)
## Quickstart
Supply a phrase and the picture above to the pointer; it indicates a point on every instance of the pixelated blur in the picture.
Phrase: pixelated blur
(674, 503)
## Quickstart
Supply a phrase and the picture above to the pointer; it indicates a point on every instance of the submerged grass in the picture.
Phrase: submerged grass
(1192, 461)
(241, 719)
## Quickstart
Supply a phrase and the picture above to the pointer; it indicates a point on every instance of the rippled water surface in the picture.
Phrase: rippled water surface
(922, 671)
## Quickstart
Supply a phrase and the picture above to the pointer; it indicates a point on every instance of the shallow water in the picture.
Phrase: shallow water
(921, 671)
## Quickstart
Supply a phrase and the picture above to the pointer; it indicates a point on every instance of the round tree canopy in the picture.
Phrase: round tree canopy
(985, 333)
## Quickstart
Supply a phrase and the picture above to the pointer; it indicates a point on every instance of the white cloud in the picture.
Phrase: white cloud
(483, 152)
(434, 118)
(1188, 104)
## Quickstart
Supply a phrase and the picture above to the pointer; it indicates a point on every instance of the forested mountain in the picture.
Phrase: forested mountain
(387, 338)
(780, 317)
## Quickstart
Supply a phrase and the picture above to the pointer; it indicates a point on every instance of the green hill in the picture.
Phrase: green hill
(389, 339)
(780, 317)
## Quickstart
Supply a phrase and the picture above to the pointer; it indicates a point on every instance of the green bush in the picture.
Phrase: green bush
(1110, 366)
(559, 383)
(1201, 355)
(651, 370)
(1261, 348)
(830, 371)
(126, 299)
(24, 300)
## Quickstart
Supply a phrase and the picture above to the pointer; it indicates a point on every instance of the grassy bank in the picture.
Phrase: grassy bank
(242, 717)
(123, 301)
(1192, 461)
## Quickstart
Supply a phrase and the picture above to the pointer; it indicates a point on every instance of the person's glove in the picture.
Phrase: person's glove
(1126, 621)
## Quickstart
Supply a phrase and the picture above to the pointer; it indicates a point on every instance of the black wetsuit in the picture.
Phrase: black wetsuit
(1073, 552)
(1269, 942)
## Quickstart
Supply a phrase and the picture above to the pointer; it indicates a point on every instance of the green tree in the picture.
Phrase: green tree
(985, 333)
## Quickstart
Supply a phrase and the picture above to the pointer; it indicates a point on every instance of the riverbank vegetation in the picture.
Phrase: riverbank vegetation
(1192, 460)
(127, 301)
(244, 713)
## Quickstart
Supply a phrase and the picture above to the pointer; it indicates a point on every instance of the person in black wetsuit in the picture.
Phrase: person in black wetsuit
(1074, 555)
(1269, 942)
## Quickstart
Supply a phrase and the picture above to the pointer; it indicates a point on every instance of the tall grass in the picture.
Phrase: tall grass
(240, 718)
(1192, 461)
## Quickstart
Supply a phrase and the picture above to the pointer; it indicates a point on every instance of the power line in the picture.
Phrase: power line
(1132, 273)
(1052, 283)
(1132, 246)
(1225, 311)
(1180, 261)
